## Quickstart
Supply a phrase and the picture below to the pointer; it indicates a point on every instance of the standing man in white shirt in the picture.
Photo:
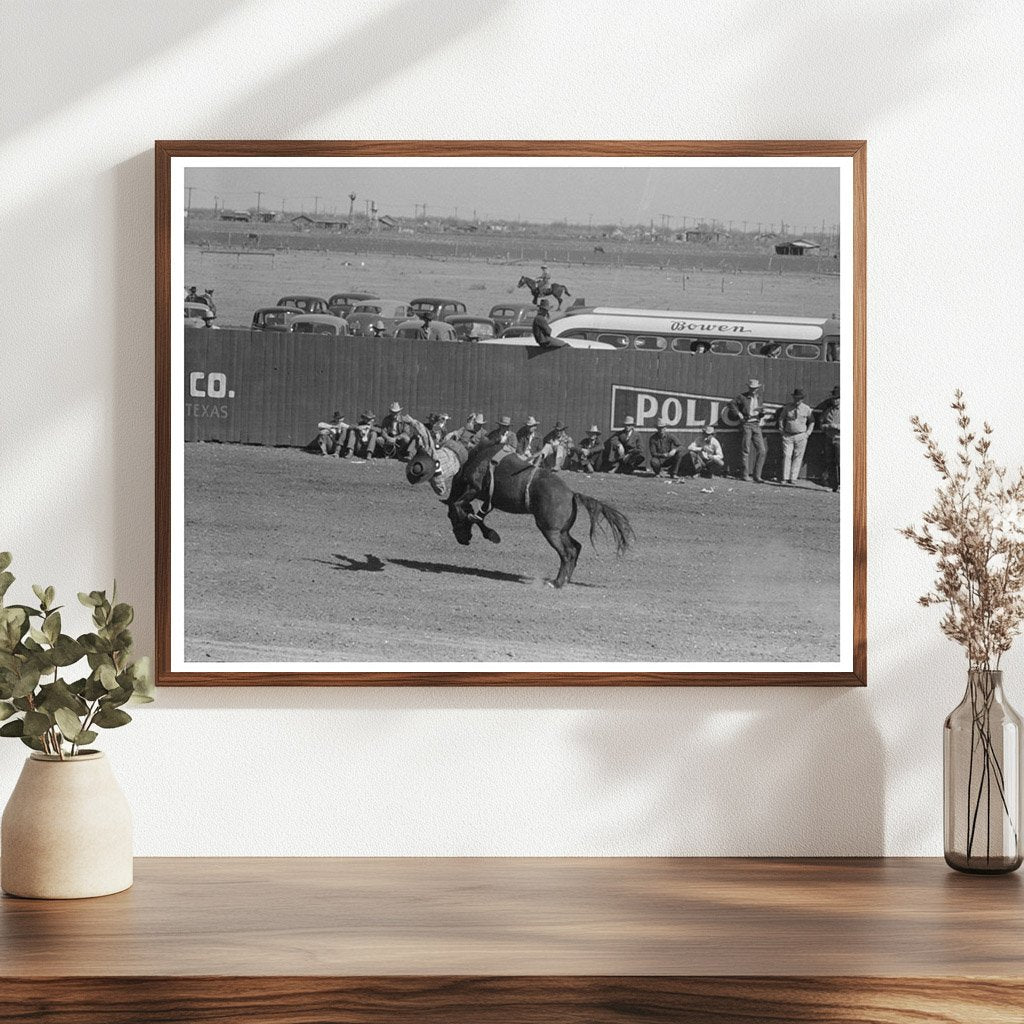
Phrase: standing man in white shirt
(796, 424)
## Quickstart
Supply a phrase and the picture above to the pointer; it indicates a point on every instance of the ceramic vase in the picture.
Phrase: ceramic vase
(66, 831)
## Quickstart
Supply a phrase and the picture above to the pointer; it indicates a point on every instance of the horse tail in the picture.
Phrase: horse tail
(618, 523)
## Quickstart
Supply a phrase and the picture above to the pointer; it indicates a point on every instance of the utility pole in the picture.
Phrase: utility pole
(188, 202)
(259, 200)
(744, 227)
(215, 200)
(316, 202)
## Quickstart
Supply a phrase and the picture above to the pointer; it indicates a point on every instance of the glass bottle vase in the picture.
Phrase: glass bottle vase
(981, 772)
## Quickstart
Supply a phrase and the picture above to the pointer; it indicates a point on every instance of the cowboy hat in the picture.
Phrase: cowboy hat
(753, 383)
(630, 421)
(395, 407)
(798, 393)
(709, 430)
(336, 415)
(505, 421)
(479, 418)
(559, 425)
(531, 422)
(659, 422)
(594, 430)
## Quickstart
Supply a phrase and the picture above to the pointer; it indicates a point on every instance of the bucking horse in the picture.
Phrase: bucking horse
(504, 481)
(557, 291)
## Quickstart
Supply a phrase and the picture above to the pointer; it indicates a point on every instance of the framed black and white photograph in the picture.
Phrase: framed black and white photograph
(490, 413)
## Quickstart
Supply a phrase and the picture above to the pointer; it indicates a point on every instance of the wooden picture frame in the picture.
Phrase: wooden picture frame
(176, 665)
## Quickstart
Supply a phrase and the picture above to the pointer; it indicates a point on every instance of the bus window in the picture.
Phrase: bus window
(727, 348)
(831, 350)
(695, 346)
(798, 351)
(618, 340)
(766, 349)
(651, 343)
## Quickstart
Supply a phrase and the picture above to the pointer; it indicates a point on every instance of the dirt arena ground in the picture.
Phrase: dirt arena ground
(291, 557)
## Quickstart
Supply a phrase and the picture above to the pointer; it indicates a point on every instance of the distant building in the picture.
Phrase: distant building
(234, 215)
(264, 216)
(306, 223)
(387, 223)
(702, 235)
(798, 247)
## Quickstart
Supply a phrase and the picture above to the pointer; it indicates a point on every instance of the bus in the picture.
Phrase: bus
(688, 333)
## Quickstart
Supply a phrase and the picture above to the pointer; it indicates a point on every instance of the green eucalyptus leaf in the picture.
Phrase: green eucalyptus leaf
(66, 651)
(6, 710)
(5, 559)
(94, 689)
(22, 703)
(122, 615)
(94, 644)
(36, 723)
(107, 676)
(142, 677)
(40, 592)
(28, 610)
(86, 736)
(115, 698)
(69, 724)
(51, 626)
(89, 600)
(9, 663)
(6, 579)
(111, 718)
(31, 741)
(13, 728)
(39, 636)
(59, 695)
(13, 626)
(27, 681)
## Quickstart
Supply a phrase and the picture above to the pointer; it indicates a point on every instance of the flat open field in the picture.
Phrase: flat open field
(291, 557)
(243, 283)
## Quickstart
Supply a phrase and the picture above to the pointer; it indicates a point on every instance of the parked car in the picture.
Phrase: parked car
(519, 331)
(440, 309)
(390, 312)
(409, 330)
(274, 318)
(307, 303)
(342, 303)
(473, 328)
(320, 323)
(198, 314)
(512, 314)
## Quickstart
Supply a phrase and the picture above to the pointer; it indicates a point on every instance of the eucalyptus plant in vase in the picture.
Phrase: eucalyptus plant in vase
(975, 531)
(66, 831)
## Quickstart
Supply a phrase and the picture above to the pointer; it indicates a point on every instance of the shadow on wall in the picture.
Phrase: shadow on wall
(739, 772)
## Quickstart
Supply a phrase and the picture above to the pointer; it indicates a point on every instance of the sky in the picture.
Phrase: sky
(801, 197)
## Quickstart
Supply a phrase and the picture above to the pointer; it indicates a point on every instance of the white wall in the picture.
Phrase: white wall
(936, 88)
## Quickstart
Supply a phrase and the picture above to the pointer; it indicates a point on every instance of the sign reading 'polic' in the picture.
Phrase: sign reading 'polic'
(679, 410)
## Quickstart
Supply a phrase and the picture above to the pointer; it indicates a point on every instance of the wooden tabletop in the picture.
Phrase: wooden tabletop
(509, 917)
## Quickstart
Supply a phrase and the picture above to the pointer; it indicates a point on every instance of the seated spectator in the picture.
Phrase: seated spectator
(622, 452)
(331, 437)
(665, 451)
(395, 435)
(437, 425)
(554, 448)
(587, 455)
(526, 438)
(377, 329)
(541, 327)
(699, 348)
(362, 439)
(504, 433)
(706, 454)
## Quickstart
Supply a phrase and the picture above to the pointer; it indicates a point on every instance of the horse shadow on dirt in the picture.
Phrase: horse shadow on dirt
(350, 564)
(468, 570)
